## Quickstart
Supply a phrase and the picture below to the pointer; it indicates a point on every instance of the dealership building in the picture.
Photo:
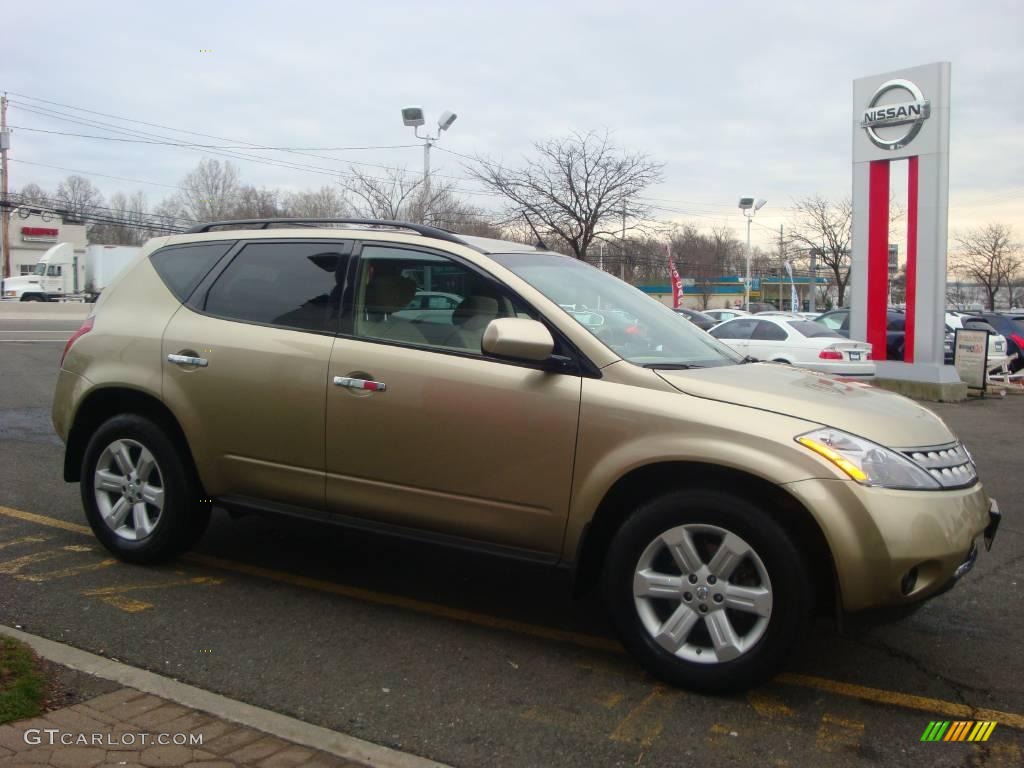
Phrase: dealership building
(32, 234)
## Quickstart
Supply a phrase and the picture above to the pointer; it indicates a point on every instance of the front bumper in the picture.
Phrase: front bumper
(896, 548)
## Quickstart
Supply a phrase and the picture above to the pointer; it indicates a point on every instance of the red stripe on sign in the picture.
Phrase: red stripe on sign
(39, 231)
(878, 256)
(908, 349)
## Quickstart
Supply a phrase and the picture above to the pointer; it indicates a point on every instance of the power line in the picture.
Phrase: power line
(169, 140)
(208, 146)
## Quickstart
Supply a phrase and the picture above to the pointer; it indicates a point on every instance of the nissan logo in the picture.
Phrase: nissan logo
(911, 113)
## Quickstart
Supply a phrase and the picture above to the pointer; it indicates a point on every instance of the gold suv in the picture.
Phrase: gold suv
(499, 396)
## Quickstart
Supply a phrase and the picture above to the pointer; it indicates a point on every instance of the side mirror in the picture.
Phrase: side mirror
(518, 338)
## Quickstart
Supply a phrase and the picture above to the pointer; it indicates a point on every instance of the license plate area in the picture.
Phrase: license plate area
(855, 355)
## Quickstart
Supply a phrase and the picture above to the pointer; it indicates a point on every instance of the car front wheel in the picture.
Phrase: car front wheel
(140, 496)
(706, 590)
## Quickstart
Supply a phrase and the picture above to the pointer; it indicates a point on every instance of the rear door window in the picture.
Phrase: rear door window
(766, 331)
(734, 329)
(287, 284)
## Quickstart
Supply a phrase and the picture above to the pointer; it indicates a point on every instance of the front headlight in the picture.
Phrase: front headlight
(866, 462)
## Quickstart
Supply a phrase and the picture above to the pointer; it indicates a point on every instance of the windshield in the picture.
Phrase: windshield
(636, 327)
(40, 269)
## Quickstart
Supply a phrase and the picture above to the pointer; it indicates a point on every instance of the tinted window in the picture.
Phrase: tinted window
(734, 329)
(768, 332)
(896, 323)
(424, 299)
(181, 267)
(812, 330)
(286, 284)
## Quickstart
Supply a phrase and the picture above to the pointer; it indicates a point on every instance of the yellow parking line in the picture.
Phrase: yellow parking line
(23, 540)
(643, 724)
(767, 705)
(903, 700)
(838, 734)
(849, 690)
(63, 573)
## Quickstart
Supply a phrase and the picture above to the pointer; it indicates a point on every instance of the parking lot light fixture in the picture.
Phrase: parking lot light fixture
(749, 206)
(413, 117)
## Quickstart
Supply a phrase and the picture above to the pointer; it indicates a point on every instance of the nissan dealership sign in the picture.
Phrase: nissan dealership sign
(893, 126)
(901, 128)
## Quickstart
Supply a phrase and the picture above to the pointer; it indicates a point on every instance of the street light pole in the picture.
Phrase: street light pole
(746, 283)
(749, 207)
(413, 117)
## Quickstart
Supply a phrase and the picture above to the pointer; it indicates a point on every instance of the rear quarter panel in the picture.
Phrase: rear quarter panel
(123, 348)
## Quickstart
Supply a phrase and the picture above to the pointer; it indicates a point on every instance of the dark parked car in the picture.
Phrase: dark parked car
(702, 321)
(895, 329)
(1011, 326)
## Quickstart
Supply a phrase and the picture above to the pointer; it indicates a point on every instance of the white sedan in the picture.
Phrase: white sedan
(802, 343)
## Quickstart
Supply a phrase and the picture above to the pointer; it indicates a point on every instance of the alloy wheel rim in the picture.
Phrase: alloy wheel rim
(702, 593)
(129, 489)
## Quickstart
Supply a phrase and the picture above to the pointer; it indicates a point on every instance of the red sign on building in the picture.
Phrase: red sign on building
(39, 233)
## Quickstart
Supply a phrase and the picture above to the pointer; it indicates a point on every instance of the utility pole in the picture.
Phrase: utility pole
(622, 264)
(814, 279)
(5, 142)
(782, 262)
(428, 142)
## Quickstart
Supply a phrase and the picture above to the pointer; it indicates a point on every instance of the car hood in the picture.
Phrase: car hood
(883, 417)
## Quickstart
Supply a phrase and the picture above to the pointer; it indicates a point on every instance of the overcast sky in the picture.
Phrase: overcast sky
(739, 98)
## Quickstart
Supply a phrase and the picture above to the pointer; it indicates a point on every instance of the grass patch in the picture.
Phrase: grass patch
(22, 685)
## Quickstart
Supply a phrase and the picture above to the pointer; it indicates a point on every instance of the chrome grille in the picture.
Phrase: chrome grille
(950, 465)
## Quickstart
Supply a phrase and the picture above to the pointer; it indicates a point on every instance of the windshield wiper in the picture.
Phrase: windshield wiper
(749, 359)
(671, 366)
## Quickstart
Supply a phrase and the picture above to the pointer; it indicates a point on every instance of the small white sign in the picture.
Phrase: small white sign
(970, 357)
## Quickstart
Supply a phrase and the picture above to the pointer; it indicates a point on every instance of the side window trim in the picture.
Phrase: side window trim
(583, 366)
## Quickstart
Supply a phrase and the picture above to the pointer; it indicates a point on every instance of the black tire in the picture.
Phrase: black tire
(780, 360)
(183, 517)
(789, 587)
(32, 297)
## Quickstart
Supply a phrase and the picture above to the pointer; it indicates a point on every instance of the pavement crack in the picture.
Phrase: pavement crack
(956, 686)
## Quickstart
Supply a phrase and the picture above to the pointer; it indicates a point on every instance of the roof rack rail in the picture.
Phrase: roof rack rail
(424, 229)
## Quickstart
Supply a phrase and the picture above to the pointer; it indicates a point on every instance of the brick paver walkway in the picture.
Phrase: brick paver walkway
(108, 731)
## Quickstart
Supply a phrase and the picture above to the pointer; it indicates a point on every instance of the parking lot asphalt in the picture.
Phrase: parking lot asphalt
(472, 661)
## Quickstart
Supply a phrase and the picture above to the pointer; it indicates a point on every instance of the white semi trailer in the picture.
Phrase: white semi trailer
(56, 276)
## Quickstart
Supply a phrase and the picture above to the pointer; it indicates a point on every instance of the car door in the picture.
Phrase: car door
(245, 369)
(767, 341)
(736, 333)
(424, 431)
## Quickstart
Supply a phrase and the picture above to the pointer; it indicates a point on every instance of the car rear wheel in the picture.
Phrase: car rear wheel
(706, 590)
(140, 495)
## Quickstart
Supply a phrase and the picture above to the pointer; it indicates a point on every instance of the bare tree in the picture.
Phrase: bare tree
(824, 225)
(253, 203)
(324, 203)
(78, 198)
(32, 194)
(392, 197)
(988, 256)
(579, 187)
(126, 221)
(210, 192)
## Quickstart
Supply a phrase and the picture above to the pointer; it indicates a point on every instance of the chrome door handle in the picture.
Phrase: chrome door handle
(199, 362)
(371, 386)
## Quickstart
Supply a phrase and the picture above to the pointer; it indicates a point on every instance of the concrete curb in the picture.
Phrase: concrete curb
(288, 728)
